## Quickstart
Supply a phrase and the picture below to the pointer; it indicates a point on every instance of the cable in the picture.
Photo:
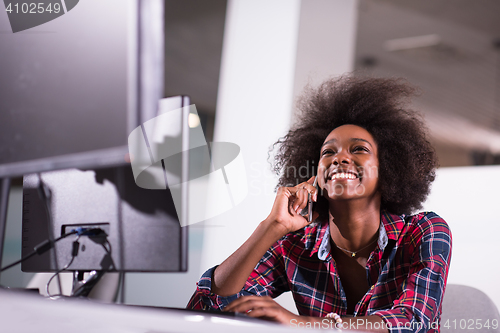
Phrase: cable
(39, 249)
(45, 194)
(121, 240)
(120, 273)
(109, 253)
(74, 253)
(47, 244)
(88, 284)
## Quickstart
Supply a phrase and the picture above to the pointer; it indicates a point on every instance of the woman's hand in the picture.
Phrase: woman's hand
(289, 202)
(231, 275)
(261, 307)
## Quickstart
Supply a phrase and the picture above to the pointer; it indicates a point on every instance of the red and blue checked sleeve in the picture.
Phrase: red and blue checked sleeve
(418, 307)
(267, 279)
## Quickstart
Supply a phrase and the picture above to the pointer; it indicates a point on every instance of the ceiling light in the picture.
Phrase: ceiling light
(412, 42)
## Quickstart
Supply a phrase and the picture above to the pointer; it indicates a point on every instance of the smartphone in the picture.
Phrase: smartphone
(310, 201)
(310, 204)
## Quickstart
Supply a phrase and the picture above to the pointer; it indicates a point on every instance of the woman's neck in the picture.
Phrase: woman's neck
(354, 223)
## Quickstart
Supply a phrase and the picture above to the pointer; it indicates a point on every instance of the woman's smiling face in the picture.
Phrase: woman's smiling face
(348, 165)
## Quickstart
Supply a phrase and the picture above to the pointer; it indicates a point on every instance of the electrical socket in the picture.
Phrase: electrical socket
(65, 228)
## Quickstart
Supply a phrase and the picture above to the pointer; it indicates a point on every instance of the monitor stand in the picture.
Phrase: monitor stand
(82, 287)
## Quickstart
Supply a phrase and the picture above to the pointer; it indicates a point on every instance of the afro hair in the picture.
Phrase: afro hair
(407, 160)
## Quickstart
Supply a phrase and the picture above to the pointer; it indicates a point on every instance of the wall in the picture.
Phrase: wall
(467, 198)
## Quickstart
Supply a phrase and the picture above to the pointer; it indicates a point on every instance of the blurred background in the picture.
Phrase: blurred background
(449, 49)
(245, 62)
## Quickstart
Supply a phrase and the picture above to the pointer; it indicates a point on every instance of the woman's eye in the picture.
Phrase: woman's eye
(359, 148)
(327, 152)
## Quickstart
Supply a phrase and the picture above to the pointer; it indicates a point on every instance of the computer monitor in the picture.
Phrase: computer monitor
(71, 91)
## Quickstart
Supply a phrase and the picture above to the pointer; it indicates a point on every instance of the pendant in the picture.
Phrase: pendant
(353, 254)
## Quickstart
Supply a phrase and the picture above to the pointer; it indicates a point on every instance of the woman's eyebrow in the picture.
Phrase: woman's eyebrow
(358, 139)
(352, 139)
(328, 142)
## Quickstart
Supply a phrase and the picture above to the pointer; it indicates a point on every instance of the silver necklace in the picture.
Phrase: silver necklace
(353, 253)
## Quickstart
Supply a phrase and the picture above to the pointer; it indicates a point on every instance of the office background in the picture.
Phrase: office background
(244, 63)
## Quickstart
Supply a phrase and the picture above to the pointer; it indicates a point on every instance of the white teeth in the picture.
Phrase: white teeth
(344, 175)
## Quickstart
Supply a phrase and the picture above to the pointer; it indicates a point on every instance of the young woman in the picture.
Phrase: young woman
(363, 263)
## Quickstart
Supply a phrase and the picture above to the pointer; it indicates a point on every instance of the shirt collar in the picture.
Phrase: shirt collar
(324, 247)
(393, 224)
(390, 228)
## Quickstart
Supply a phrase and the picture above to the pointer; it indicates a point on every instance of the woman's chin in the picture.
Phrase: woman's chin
(344, 190)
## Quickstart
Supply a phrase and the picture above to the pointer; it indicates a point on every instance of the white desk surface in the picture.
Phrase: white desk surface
(22, 312)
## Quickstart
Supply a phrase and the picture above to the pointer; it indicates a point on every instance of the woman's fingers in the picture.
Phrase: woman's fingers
(309, 185)
(311, 180)
(289, 203)
(260, 307)
(302, 192)
(270, 313)
(301, 201)
(245, 303)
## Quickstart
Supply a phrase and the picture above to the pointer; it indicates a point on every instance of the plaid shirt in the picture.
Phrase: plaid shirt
(407, 273)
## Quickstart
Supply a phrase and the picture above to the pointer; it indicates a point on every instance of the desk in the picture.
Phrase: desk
(21, 312)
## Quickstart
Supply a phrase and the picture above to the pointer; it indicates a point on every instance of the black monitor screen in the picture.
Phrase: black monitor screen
(71, 89)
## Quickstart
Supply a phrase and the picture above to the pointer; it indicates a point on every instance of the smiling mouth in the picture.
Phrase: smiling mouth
(343, 175)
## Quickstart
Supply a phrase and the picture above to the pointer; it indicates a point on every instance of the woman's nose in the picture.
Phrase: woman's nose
(341, 158)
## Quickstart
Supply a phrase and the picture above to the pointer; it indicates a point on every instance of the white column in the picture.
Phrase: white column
(327, 41)
(253, 109)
